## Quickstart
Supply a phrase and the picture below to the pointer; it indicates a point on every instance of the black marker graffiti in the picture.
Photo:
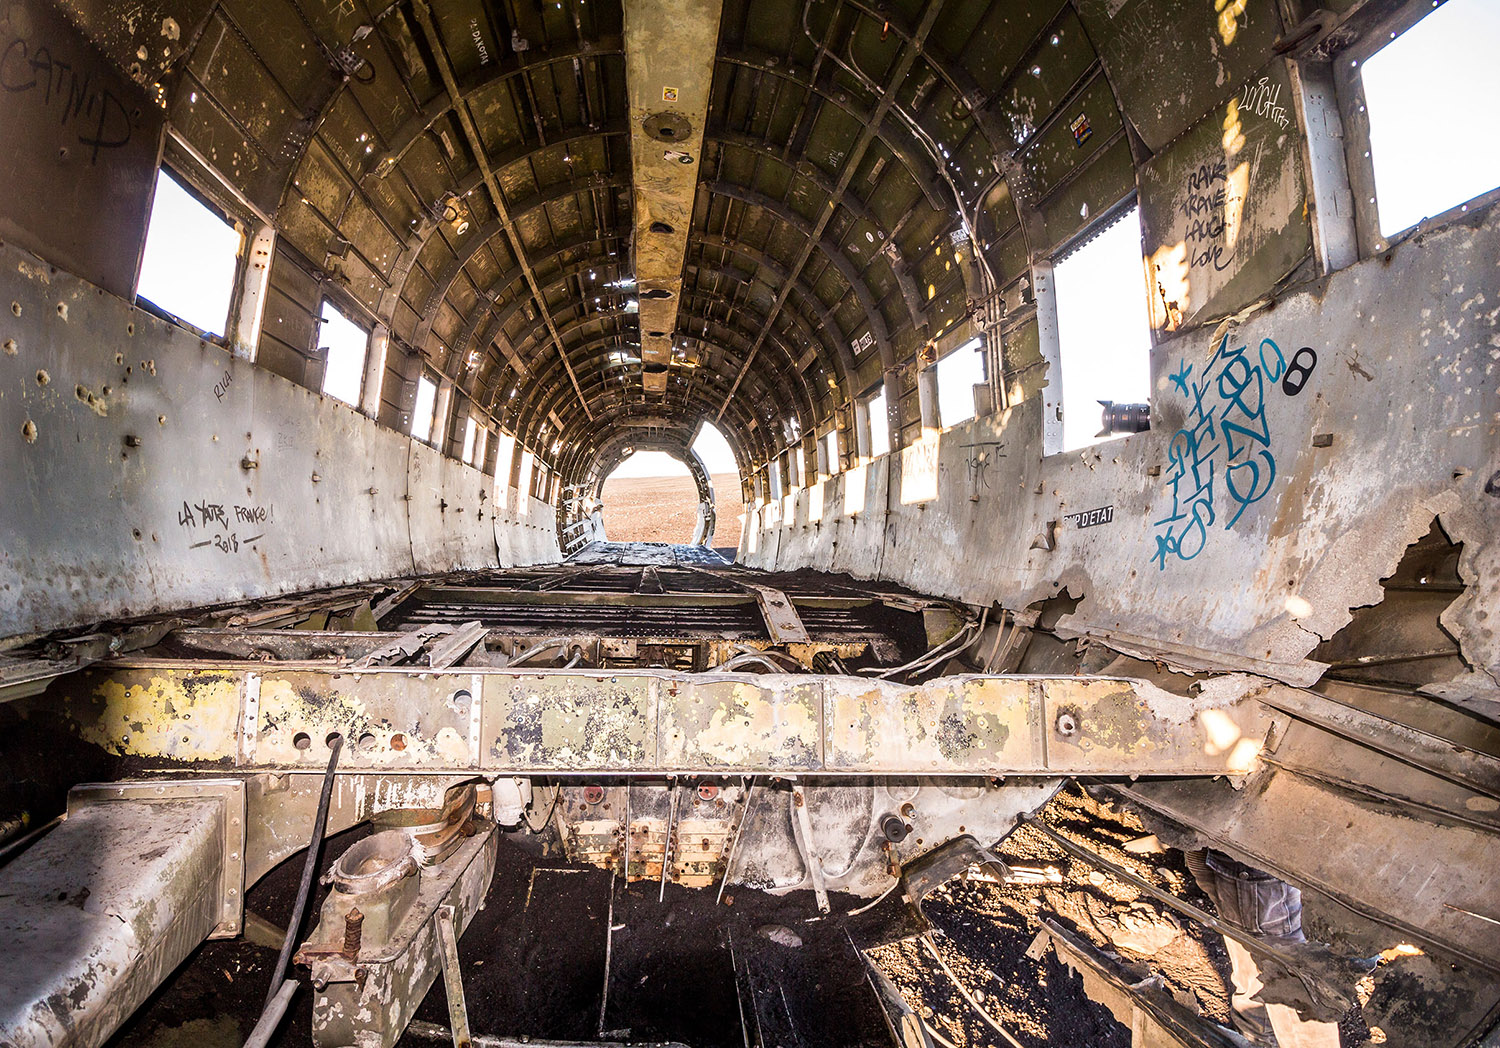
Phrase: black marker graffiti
(100, 119)
(1204, 210)
(213, 516)
(222, 386)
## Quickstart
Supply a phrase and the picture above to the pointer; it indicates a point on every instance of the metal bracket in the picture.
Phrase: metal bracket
(453, 979)
(230, 791)
(943, 863)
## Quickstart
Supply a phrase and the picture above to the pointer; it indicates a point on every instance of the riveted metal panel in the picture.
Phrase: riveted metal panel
(146, 469)
(970, 723)
(1224, 208)
(405, 721)
(570, 721)
(389, 721)
(767, 723)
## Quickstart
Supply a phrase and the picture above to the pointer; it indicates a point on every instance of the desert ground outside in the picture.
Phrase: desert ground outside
(664, 509)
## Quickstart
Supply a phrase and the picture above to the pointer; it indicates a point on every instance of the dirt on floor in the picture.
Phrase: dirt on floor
(983, 932)
(664, 509)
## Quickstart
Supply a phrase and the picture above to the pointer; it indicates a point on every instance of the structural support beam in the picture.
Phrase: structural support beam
(669, 61)
(497, 198)
(407, 721)
(850, 166)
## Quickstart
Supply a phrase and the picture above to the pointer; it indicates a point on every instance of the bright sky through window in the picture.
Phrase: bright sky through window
(1427, 142)
(831, 450)
(346, 344)
(711, 447)
(421, 412)
(1102, 328)
(714, 450)
(880, 425)
(958, 373)
(188, 268)
(471, 437)
(650, 464)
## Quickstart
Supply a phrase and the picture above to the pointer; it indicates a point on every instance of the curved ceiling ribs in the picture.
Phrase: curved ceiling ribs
(475, 197)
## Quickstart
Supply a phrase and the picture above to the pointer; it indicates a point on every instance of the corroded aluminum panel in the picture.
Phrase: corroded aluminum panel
(81, 147)
(405, 721)
(766, 723)
(1348, 417)
(963, 722)
(146, 470)
(570, 722)
(451, 513)
(91, 926)
(389, 722)
(1209, 249)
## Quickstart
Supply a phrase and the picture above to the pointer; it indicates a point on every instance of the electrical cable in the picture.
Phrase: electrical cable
(304, 888)
(265, 1026)
(556, 795)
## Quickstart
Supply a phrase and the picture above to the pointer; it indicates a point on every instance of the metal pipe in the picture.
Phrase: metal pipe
(309, 868)
(19, 844)
(265, 1026)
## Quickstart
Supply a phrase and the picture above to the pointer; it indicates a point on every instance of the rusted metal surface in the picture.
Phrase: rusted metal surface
(369, 998)
(1423, 877)
(98, 911)
(407, 721)
(669, 52)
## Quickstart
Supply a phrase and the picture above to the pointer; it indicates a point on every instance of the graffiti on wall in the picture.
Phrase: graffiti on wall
(1222, 460)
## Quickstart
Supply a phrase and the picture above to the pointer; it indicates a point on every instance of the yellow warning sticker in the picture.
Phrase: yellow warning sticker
(669, 94)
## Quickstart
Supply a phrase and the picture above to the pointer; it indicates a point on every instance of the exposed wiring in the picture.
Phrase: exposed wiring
(535, 650)
(748, 660)
(304, 888)
(965, 637)
(552, 807)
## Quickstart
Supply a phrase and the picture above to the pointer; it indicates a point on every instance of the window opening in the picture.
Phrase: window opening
(344, 345)
(1103, 331)
(423, 410)
(957, 375)
(1419, 94)
(880, 425)
(191, 260)
(471, 438)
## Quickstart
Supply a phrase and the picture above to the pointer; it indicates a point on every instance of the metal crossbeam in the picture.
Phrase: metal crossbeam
(412, 720)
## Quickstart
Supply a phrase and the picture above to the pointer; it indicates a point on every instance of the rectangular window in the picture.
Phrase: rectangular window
(422, 410)
(880, 425)
(471, 438)
(343, 345)
(191, 259)
(523, 482)
(1103, 331)
(504, 456)
(1420, 91)
(957, 375)
(831, 449)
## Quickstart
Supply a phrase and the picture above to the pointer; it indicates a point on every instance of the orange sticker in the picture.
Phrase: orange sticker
(669, 94)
